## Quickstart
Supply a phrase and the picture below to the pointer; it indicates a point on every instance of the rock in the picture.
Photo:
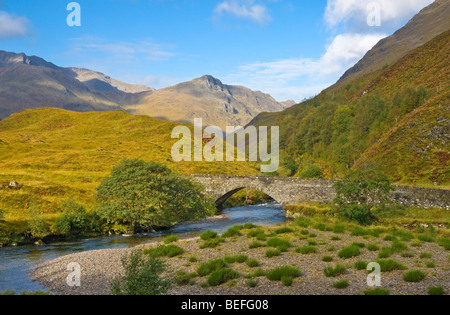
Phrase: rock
(39, 243)
(14, 185)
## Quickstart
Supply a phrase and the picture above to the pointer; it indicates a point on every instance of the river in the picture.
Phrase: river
(17, 262)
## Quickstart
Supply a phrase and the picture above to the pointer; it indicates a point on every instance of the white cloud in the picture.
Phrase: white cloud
(284, 78)
(355, 11)
(244, 9)
(13, 26)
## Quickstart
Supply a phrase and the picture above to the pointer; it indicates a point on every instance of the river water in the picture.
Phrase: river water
(17, 262)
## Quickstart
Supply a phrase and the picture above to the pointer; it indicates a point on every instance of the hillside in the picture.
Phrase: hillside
(57, 154)
(396, 117)
(427, 24)
(208, 98)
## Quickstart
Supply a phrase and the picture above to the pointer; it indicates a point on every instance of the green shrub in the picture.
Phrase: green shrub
(193, 259)
(321, 227)
(385, 252)
(287, 281)
(256, 245)
(335, 271)
(284, 230)
(339, 229)
(388, 265)
(343, 284)
(403, 235)
(252, 283)
(222, 276)
(208, 235)
(305, 250)
(212, 243)
(376, 291)
(302, 222)
(261, 237)
(182, 278)
(304, 232)
(425, 256)
(312, 171)
(327, 258)
(335, 238)
(373, 247)
(255, 233)
(361, 265)
(273, 253)
(425, 238)
(414, 276)
(253, 263)
(236, 259)
(430, 264)
(142, 276)
(74, 220)
(165, 251)
(286, 271)
(233, 231)
(278, 243)
(249, 226)
(398, 247)
(444, 242)
(211, 266)
(171, 239)
(436, 291)
(349, 252)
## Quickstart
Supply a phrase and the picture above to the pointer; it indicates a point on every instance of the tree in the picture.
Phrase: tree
(2, 213)
(142, 276)
(312, 171)
(73, 221)
(360, 192)
(143, 195)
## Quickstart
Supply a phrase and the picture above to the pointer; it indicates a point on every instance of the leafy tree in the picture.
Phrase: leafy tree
(142, 276)
(360, 192)
(288, 162)
(2, 213)
(37, 227)
(73, 221)
(145, 195)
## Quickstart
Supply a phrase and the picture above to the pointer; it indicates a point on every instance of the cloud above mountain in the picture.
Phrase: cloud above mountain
(13, 26)
(244, 9)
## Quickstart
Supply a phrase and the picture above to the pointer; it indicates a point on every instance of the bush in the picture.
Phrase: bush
(212, 243)
(253, 263)
(211, 266)
(208, 235)
(286, 271)
(273, 253)
(343, 284)
(305, 250)
(165, 251)
(361, 265)
(74, 220)
(170, 239)
(37, 227)
(373, 247)
(360, 192)
(287, 281)
(349, 252)
(335, 271)
(327, 259)
(143, 195)
(236, 259)
(414, 276)
(282, 245)
(339, 229)
(142, 276)
(425, 256)
(390, 265)
(233, 231)
(444, 242)
(385, 252)
(436, 291)
(255, 233)
(256, 245)
(183, 278)
(425, 238)
(284, 230)
(222, 276)
(312, 171)
(252, 283)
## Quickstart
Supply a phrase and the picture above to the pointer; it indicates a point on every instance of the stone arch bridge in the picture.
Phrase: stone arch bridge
(291, 191)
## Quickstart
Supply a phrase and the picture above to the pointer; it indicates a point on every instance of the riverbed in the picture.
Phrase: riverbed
(16, 263)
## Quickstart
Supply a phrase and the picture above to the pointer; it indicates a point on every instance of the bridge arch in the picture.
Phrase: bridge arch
(222, 199)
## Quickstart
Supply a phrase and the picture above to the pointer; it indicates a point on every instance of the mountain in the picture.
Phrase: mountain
(57, 154)
(102, 82)
(207, 98)
(427, 24)
(396, 118)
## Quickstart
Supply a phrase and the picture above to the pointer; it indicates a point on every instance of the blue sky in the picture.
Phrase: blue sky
(290, 49)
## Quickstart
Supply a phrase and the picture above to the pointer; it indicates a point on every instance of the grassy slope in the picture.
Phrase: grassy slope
(57, 154)
(392, 144)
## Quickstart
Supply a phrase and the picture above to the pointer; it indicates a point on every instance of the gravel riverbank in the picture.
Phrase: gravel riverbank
(101, 266)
